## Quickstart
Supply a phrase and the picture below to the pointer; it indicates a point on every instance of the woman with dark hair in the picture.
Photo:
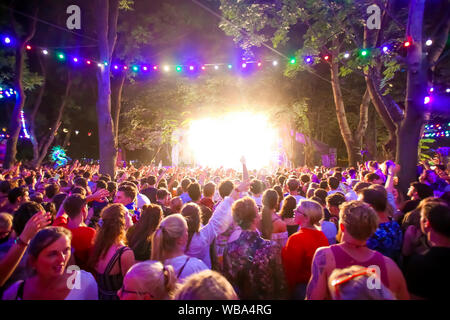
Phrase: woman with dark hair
(140, 235)
(48, 256)
(272, 227)
(287, 215)
(201, 237)
(251, 264)
(111, 258)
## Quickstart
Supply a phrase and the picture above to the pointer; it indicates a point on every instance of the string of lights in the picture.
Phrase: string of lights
(436, 130)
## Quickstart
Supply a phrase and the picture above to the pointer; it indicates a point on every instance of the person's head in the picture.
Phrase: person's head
(171, 235)
(206, 285)
(5, 187)
(323, 185)
(435, 218)
(6, 221)
(270, 204)
(37, 197)
(352, 173)
(321, 193)
(304, 178)
(163, 197)
(352, 284)
(18, 195)
(126, 194)
(112, 188)
(95, 177)
(373, 178)
(80, 182)
(23, 214)
(148, 280)
(430, 176)
(358, 219)
(245, 213)
(100, 184)
(372, 166)
(308, 213)
(79, 190)
(59, 199)
(194, 191)
(209, 189)
(420, 191)
(256, 187)
(333, 183)
(310, 193)
(112, 230)
(75, 207)
(147, 224)
(375, 198)
(151, 180)
(292, 185)
(185, 184)
(361, 185)
(176, 203)
(289, 205)
(51, 190)
(49, 252)
(333, 202)
(192, 213)
(225, 188)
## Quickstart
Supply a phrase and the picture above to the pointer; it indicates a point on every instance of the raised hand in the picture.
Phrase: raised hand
(36, 223)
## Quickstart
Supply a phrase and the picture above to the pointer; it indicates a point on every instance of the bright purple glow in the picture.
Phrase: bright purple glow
(427, 100)
(385, 49)
(244, 65)
(75, 59)
(191, 68)
(116, 67)
(144, 68)
(7, 40)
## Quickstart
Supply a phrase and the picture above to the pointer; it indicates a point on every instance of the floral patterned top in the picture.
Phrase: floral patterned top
(254, 267)
(387, 240)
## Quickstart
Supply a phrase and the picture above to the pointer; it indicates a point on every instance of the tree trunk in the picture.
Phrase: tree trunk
(32, 118)
(370, 138)
(409, 131)
(107, 13)
(351, 146)
(116, 103)
(56, 125)
(14, 125)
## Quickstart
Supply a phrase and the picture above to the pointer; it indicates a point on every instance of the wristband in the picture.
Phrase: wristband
(20, 242)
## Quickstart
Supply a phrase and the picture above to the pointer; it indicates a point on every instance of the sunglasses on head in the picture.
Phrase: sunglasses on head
(336, 283)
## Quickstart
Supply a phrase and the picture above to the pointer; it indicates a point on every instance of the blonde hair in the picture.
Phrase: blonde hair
(313, 210)
(206, 285)
(152, 276)
(165, 238)
(359, 219)
(357, 288)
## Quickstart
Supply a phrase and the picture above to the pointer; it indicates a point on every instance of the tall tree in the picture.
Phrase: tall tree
(107, 15)
(14, 126)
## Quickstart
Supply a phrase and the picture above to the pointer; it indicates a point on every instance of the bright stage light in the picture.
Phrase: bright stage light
(216, 142)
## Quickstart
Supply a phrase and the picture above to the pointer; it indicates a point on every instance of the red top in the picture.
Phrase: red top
(298, 255)
(82, 241)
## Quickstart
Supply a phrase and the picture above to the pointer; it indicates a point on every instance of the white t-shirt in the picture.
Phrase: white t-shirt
(142, 200)
(87, 289)
(194, 265)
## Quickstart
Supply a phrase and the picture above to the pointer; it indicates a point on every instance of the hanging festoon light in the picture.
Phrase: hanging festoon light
(429, 42)
(24, 127)
(275, 63)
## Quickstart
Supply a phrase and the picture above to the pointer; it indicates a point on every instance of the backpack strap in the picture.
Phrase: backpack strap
(113, 260)
(182, 268)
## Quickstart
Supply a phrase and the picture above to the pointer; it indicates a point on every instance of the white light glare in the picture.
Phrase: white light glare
(235, 134)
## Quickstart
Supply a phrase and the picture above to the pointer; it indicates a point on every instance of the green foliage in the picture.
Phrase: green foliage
(425, 151)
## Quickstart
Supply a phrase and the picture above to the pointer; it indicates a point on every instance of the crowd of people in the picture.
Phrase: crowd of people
(200, 233)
